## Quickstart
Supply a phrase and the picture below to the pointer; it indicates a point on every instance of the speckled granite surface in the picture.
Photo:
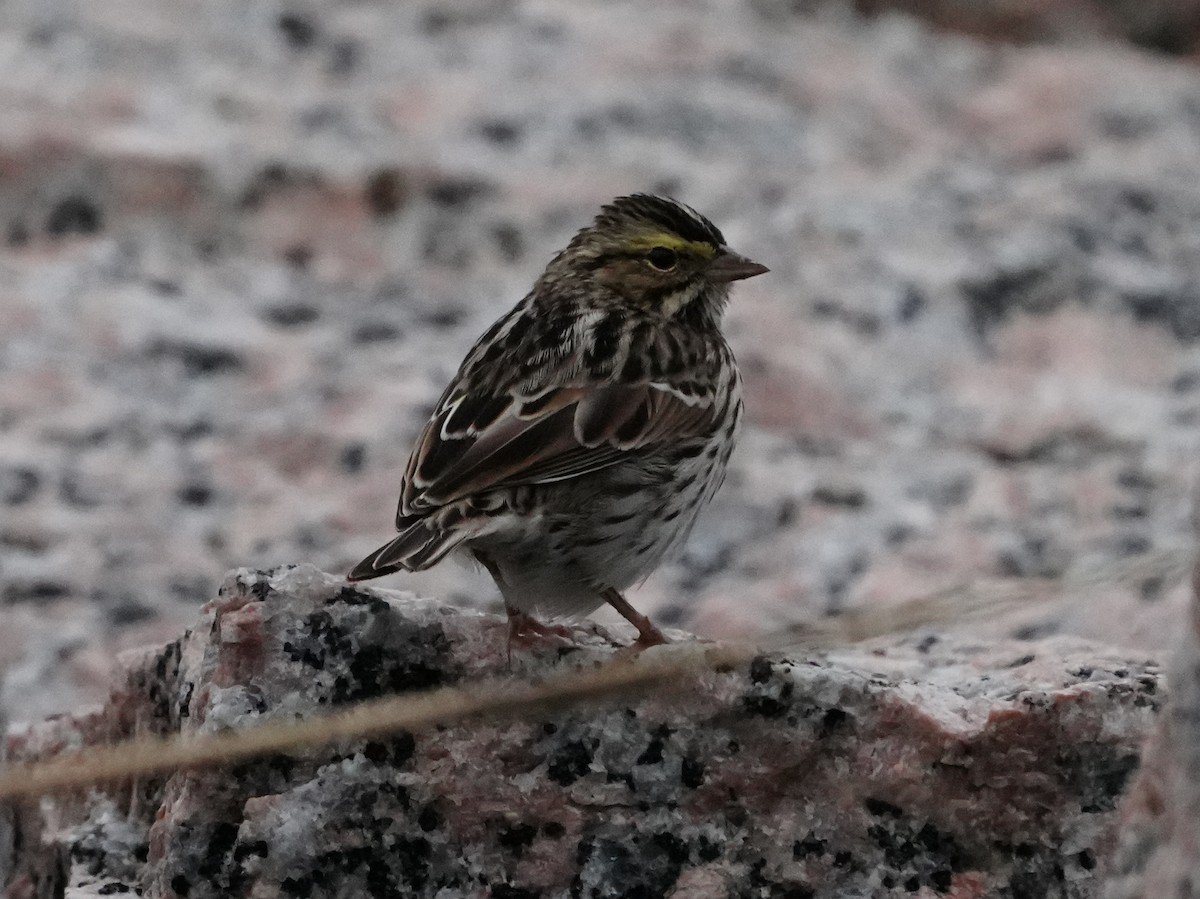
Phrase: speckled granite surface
(932, 768)
(244, 248)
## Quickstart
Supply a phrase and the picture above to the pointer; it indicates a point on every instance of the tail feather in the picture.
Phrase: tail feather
(416, 548)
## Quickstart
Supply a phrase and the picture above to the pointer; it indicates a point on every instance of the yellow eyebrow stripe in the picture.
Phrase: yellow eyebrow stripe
(651, 239)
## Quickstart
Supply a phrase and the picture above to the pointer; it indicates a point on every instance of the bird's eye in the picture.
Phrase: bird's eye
(662, 258)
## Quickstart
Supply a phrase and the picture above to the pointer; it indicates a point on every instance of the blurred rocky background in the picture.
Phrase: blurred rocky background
(245, 245)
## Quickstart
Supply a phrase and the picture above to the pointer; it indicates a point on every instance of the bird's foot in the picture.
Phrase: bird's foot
(650, 636)
(526, 627)
(527, 632)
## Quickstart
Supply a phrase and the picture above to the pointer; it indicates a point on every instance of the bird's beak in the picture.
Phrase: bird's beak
(730, 266)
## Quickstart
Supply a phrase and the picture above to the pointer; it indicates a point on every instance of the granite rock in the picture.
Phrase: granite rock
(916, 766)
(1159, 849)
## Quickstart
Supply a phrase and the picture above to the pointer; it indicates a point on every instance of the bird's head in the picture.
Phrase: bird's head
(657, 254)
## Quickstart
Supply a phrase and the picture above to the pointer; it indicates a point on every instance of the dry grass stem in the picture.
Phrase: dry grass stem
(143, 756)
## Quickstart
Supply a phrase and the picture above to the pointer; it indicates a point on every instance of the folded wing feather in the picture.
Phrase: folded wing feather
(561, 433)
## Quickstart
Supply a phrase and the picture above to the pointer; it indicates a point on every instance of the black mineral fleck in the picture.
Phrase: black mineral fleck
(569, 763)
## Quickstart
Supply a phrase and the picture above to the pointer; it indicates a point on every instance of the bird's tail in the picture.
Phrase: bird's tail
(417, 547)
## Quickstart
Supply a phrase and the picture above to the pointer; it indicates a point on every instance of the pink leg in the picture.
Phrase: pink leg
(648, 634)
(523, 628)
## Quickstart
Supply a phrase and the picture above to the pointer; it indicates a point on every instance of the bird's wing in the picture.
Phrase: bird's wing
(489, 440)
